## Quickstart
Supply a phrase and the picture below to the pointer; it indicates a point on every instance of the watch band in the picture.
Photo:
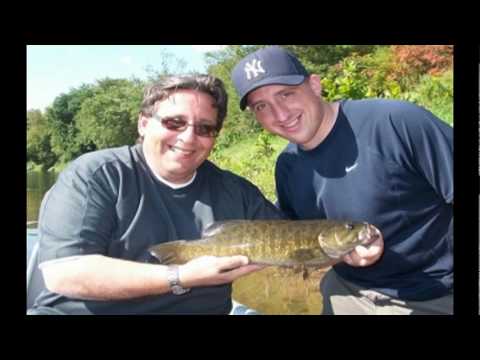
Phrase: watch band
(174, 281)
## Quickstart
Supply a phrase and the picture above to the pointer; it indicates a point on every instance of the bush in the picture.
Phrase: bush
(255, 161)
(377, 75)
(345, 80)
(434, 93)
(357, 77)
(416, 60)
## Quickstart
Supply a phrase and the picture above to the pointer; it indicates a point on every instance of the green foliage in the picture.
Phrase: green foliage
(38, 140)
(357, 77)
(379, 75)
(434, 93)
(346, 80)
(253, 158)
(318, 58)
(60, 119)
(109, 117)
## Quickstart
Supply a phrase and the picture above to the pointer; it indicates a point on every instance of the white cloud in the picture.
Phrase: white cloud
(205, 48)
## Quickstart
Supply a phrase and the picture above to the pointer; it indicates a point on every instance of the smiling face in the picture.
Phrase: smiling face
(294, 112)
(176, 155)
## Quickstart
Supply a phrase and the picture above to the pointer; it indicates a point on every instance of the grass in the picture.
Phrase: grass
(254, 159)
(240, 151)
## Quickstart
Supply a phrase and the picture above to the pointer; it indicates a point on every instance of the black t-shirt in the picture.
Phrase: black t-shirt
(389, 163)
(109, 202)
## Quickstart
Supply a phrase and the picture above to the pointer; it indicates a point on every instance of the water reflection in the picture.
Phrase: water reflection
(38, 182)
(280, 291)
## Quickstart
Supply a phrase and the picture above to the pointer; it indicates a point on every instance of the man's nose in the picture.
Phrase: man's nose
(281, 112)
(188, 134)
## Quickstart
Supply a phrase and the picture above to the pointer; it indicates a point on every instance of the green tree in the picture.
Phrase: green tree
(38, 140)
(109, 117)
(60, 119)
(318, 58)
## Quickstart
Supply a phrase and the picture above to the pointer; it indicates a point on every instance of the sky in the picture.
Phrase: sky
(55, 69)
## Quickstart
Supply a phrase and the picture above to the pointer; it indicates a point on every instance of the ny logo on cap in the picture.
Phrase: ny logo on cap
(254, 67)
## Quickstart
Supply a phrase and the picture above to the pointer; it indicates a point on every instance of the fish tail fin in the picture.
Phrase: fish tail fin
(169, 253)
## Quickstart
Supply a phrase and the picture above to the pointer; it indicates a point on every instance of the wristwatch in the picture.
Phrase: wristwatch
(174, 282)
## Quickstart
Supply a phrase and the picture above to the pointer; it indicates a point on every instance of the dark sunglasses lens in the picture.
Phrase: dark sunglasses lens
(206, 130)
(180, 125)
(173, 124)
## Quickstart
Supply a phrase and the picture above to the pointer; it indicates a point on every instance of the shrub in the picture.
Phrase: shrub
(434, 93)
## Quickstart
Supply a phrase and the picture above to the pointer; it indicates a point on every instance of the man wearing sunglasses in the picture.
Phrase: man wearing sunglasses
(110, 206)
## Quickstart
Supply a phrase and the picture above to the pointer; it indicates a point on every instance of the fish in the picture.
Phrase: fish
(284, 243)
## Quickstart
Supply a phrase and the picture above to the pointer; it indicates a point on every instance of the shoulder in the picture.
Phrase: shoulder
(387, 116)
(100, 164)
(383, 109)
(99, 158)
(92, 161)
(377, 108)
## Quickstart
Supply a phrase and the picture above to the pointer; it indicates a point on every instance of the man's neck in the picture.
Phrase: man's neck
(328, 121)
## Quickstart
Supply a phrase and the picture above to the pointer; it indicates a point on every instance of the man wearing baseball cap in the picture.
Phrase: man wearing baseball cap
(385, 162)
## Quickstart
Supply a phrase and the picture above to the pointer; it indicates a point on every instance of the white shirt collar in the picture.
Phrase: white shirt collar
(176, 186)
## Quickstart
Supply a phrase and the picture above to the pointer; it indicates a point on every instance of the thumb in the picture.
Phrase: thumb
(362, 251)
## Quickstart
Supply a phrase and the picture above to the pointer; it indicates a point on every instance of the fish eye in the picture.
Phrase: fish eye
(349, 226)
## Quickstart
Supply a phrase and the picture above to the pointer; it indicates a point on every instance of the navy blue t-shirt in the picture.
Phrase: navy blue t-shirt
(389, 163)
(109, 202)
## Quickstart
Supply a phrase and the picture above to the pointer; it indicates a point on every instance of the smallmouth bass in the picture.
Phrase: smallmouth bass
(290, 243)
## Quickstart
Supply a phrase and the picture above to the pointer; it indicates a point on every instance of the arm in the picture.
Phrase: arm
(98, 277)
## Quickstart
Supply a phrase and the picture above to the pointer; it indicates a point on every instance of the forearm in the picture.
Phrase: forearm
(97, 277)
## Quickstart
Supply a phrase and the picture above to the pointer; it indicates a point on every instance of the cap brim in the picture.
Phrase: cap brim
(277, 80)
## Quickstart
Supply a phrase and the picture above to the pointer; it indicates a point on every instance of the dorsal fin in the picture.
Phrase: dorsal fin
(219, 226)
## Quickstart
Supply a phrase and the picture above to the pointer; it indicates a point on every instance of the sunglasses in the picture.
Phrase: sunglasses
(178, 124)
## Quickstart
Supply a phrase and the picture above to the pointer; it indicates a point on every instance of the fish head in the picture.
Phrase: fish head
(342, 237)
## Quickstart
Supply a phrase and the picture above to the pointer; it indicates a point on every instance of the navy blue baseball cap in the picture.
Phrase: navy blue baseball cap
(266, 66)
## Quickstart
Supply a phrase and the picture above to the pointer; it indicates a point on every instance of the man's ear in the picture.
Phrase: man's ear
(142, 124)
(315, 84)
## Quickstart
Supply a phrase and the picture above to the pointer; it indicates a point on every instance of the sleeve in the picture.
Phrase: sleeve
(77, 215)
(428, 144)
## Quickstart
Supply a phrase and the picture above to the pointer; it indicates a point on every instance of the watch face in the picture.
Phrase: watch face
(172, 276)
(178, 290)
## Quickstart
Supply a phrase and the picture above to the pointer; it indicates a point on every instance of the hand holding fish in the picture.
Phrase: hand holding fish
(215, 270)
(365, 255)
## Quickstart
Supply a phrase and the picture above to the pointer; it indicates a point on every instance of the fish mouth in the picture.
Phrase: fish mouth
(369, 234)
